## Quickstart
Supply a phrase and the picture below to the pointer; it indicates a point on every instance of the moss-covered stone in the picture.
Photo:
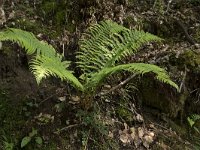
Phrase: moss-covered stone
(190, 58)
(158, 96)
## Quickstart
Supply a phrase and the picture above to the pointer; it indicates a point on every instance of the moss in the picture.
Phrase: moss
(60, 17)
(70, 27)
(28, 25)
(191, 58)
(7, 50)
(48, 7)
(37, 27)
(124, 113)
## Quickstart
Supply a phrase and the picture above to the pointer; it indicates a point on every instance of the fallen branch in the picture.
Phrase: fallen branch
(117, 86)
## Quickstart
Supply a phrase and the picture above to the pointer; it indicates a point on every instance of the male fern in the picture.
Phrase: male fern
(102, 47)
(46, 61)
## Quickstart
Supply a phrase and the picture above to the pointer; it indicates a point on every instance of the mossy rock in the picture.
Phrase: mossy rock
(157, 95)
(167, 100)
(189, 58)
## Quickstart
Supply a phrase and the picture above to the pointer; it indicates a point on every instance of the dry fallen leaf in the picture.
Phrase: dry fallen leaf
(62, 99)
(140, 132)
(124, 135)
(133, 133)
(147, 140)
(110, 134)
(75, 98)
(125, 138)
(152, 126)
(11, 15)
(151, 134)
(139, 118)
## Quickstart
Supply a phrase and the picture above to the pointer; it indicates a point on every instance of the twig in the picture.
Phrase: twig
(183, 81)
(117, 86)
(194, 90)
(49, 97)
(187, 36)
(197, 99)
(65, 128)
(168, 5)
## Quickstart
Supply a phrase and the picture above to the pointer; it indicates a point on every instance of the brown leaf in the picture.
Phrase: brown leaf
(140, 132)
(139, 118)
(125, 138)
(110, 134)
(147, 140)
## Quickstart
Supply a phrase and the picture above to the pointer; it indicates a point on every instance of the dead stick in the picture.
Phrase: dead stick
(117, 86)
(68, 127)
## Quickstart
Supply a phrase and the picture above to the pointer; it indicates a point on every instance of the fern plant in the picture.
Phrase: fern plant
(45, 61)
(102, 48)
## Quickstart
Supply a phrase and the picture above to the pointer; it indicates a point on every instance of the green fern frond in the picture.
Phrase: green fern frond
(46, 62)
(137, 68)
(106, 43)
(27, 41)
(43, 66)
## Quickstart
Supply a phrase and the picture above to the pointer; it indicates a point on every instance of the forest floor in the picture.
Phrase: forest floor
(48, 116)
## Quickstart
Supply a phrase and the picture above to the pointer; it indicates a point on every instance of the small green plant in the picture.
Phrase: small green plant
(95, 130)
(192, 120)
(8, 144)
(32, 135)
(102, 50)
